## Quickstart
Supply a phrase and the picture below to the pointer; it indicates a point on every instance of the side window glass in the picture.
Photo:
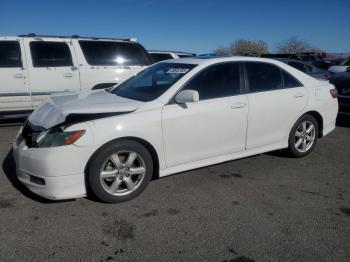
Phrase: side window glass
(50, 54)
(113, 53)
(263, 77)
(216, 81)
(10, 54)
(289, 80)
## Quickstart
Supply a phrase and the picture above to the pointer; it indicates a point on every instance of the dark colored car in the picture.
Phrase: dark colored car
(316, 59)
(342, 83)
(308, 68)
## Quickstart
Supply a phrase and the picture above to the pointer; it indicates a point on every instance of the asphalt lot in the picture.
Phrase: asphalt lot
(263, 208)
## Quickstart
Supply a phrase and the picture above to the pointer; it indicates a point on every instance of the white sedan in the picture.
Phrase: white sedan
(173, 116)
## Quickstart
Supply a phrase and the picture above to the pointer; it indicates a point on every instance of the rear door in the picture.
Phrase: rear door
(51, 67)
(276, 100)
(14, 88)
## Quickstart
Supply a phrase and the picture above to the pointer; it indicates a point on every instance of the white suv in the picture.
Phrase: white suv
(32, 67)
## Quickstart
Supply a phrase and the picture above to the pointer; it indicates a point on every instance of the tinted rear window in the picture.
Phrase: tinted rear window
(263, 77)
(50, 54)
(160, 57)
(10, 54)
(289, 80)
(108, 53)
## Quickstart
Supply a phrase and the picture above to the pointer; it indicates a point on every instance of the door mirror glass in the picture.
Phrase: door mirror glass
(187, 96)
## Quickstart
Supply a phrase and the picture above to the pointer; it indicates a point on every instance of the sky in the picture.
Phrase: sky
(185, 25)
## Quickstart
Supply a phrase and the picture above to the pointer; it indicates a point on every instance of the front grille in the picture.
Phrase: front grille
(30, 133)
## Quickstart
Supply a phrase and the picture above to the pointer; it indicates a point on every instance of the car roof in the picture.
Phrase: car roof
(40, 37)
(212, 60)
(286, 60)
(169, 52)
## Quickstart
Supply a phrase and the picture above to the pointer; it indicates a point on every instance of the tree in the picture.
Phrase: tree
(222, 51)
(294, 45)
(244, 47)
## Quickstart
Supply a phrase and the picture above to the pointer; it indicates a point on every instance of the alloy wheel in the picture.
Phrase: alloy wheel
(122, 173)
(304, 136)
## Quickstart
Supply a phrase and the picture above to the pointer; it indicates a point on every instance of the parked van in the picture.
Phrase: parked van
(32, 67)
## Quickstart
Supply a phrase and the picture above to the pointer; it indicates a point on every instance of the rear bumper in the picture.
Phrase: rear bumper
(329, 116)
(344, 104)
(53, 173)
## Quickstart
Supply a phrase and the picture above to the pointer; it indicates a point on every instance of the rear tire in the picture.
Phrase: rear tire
(120, 171)
(303, 136)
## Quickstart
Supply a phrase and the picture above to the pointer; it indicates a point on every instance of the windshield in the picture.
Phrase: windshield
(346, 62)
(152, 82)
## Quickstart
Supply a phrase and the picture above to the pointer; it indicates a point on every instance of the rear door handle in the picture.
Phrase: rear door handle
(68, 75)
(238, 105)
(20, 76)
(297, 95)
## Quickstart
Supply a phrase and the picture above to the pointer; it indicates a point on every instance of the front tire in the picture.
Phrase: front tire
(303, 136)
(120, 171)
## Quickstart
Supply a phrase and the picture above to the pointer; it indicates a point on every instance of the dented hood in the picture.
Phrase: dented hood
(58, 107)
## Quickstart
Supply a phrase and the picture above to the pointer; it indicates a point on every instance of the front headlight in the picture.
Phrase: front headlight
(58, 138)
(19, 137)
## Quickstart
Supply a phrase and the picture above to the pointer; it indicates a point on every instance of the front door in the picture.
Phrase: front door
(14, 88)
(213, 126)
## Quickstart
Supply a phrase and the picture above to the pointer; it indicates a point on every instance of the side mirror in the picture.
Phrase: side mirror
(348, 69)
(187, 96)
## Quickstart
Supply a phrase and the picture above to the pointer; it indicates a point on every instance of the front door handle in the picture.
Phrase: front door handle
(74, 68)
(297, 95)
(238, 105)
(20, 76)
(68, 75)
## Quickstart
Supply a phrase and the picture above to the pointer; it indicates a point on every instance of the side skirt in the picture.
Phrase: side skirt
(220, 159)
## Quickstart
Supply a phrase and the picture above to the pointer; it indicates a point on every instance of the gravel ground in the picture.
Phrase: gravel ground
(263, 208)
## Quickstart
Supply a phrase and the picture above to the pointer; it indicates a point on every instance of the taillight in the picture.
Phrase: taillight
(334, 93)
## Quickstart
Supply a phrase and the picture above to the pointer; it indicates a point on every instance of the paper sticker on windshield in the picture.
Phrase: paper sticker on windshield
(177, 71)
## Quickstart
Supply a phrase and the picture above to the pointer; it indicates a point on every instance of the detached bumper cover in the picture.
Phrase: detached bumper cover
(62, 169)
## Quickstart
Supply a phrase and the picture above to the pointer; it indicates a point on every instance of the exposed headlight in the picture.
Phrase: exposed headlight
(58, 138)
(19, 137)
(19, 132)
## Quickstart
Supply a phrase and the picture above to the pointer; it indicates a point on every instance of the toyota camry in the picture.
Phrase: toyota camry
(173, 116)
